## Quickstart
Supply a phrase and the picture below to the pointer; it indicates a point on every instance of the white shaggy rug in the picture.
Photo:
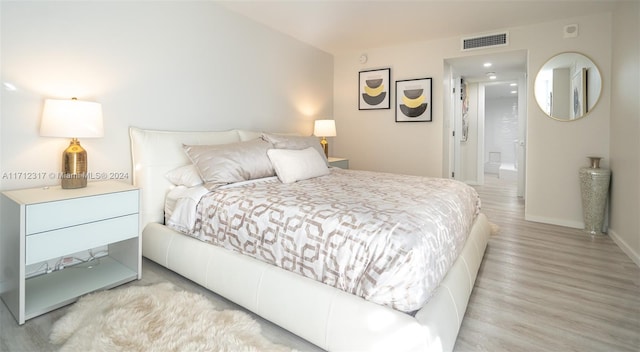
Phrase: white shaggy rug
(156, 318)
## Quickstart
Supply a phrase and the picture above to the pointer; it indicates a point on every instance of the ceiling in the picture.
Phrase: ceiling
(339, 27)
(507, 66)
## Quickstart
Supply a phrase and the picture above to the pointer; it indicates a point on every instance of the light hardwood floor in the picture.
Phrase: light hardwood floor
(549, 288)
(540, 288)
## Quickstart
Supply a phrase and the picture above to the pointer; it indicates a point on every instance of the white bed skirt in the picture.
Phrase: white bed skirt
(327, 317)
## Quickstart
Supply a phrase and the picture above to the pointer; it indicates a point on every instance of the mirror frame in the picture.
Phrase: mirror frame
(590, 107)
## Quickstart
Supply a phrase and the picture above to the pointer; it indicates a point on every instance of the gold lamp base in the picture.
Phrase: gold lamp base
(74, 166)
(325, 146)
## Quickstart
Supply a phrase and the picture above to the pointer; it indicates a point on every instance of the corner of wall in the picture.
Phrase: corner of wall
(626, 248)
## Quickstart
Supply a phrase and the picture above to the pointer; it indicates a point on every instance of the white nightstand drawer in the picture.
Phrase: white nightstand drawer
(54, 215)
(58, 243)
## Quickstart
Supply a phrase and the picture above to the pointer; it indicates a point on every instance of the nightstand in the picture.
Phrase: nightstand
(339, 162)
(50, 224)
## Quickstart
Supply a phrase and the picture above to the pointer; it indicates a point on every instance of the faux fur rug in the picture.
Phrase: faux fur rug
(156, 318)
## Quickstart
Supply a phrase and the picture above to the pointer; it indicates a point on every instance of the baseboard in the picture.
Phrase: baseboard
(635, 257)
(555, 221)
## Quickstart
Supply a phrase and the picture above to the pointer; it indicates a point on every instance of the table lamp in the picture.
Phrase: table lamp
(324, 129)
(72, 119)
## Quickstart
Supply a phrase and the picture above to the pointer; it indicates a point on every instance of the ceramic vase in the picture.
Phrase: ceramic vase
(594, 185)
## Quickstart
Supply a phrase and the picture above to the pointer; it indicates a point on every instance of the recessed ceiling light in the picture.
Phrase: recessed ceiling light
(513, 84)
(514, 91)
(487, 64)
(491, 75)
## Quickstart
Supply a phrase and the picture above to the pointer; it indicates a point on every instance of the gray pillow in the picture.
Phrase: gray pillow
(222, 164)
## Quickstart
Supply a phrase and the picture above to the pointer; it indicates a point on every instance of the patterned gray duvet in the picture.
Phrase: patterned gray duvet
(387, 238)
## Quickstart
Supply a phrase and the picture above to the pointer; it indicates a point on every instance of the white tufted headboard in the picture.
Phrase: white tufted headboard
(154, 153)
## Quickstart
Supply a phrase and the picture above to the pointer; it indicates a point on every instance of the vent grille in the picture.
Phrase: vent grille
(491, 40)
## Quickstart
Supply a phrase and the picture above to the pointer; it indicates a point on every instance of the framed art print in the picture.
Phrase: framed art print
(413, 100)
(465, 110)
(373, 89)
(579, 93)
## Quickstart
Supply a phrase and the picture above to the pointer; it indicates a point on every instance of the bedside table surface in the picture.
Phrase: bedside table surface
(342, 163)
(55, 193)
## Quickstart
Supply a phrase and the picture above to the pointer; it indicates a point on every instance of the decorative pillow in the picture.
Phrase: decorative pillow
(295, 142)
(228, 163)
(186, 175)
(297, 165)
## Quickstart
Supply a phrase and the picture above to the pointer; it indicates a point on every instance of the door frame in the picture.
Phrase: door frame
(453, 127)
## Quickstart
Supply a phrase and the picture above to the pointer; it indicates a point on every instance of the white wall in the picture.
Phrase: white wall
(161, 65)
(371, 139)
(625, 129)
(556, 150)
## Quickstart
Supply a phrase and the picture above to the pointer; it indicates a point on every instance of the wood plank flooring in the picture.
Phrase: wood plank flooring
(540, 288)
(549, 288)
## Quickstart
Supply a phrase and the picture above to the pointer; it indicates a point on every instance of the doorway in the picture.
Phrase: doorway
(486, 113)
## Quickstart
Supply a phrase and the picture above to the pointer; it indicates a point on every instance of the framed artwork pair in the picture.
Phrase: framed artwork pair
(413, 96)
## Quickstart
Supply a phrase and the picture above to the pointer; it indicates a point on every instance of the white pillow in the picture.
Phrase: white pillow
(186, 175)
(295, 142)
(297, 165)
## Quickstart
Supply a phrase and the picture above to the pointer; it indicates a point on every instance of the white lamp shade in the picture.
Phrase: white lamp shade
(72, 119)
(325, 128)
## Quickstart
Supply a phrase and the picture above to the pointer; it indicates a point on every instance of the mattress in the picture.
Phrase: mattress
(387, 238)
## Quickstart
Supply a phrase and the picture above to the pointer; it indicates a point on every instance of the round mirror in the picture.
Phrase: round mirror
(568, 86)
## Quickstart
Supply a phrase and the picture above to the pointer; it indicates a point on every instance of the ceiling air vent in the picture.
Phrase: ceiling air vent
(485, 41)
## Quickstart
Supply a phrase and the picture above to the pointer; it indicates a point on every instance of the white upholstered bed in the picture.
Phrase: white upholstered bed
(326, 316)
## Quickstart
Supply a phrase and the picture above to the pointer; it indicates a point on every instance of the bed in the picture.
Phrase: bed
(324, 314)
